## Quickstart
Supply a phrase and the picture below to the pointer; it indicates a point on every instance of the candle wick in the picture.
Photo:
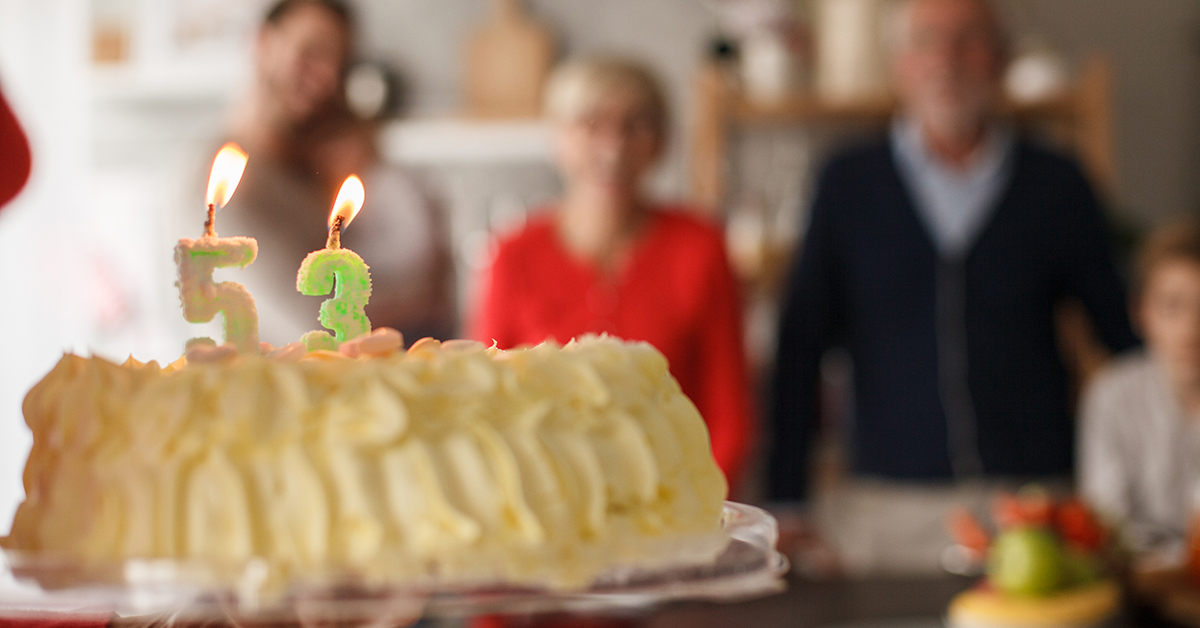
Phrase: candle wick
(335, 234)
(210, 225)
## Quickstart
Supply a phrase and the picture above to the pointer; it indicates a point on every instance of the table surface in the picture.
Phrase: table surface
(865, 603)
(850, 603)
(839, 603)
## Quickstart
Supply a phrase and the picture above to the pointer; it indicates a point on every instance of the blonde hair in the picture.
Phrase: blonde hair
(1178, 240)
(575, 87)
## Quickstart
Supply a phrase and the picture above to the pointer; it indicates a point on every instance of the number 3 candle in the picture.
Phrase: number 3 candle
(341, 271)
(196, 259)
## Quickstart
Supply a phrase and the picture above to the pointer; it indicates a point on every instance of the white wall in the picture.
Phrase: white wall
(85, 246)
(42, 85)
(1155, 49)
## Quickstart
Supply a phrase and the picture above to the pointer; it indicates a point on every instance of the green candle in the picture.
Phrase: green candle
(196, 259)
(340, 271)
(202, 298)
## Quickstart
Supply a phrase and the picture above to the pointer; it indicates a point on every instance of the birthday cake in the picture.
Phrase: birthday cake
(1045, 567)
(345, 457)
(452, 462)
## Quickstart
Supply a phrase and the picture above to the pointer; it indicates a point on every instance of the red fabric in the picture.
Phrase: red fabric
(676, 292)
(14, 155)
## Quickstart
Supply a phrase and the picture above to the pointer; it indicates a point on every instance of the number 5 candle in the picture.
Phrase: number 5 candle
(196, 259)
(341, 271)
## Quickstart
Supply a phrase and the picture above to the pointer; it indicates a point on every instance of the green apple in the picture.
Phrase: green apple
(1081, 568)
(1027, 561)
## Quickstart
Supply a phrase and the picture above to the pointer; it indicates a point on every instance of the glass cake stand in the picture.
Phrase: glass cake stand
(749, 566)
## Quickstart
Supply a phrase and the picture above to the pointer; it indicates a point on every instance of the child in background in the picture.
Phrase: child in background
(1139, 457)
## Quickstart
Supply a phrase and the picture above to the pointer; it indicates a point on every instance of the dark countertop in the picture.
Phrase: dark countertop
(852, 603)
(915, 602)
(841, 603)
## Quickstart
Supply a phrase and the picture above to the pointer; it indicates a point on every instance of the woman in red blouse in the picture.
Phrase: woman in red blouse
(606, 259)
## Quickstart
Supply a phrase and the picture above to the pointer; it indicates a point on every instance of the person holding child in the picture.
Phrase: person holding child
(303, 142)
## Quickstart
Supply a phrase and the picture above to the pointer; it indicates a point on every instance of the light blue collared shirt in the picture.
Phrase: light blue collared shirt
(954, 203)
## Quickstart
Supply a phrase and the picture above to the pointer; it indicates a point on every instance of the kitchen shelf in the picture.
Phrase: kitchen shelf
(466, 141)
(1080, 118)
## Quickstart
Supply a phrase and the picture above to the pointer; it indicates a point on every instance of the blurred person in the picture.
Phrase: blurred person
(1140, 418)
(303, 142)
(936, 258)
(608, 260)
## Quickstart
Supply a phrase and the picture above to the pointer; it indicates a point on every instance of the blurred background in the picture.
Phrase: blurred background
(124, 101)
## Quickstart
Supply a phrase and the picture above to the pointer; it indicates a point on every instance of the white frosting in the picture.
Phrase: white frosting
(542, 465)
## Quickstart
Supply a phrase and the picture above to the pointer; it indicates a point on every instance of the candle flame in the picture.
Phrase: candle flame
(349, 200)
(226, 172)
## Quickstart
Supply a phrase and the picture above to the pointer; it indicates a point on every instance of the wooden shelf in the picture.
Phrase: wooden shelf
(1080, 119)
(806, 109)
(802, 108)
(465, 140)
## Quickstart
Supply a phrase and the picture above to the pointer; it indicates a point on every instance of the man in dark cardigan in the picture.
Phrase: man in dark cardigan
(936, 258)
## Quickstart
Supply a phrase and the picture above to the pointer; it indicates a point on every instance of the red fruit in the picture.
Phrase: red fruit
(967, 531)
(1006, 510)
(1079, 527)
(1030, 508)
(1037, 508)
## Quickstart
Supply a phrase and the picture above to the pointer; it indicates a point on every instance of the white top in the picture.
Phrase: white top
(955, 204)
(1139, 455)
